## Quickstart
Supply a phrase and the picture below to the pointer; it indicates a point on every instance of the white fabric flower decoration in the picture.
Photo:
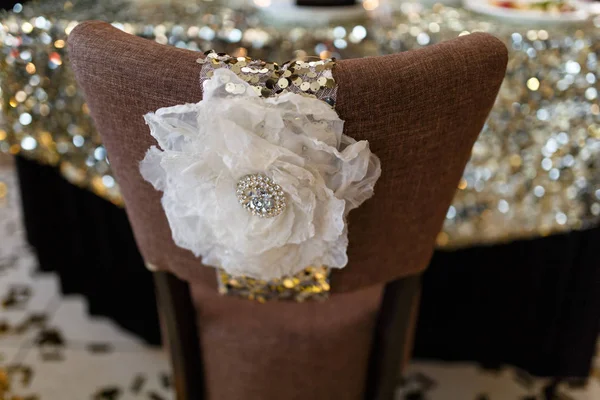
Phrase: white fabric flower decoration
(295, 141)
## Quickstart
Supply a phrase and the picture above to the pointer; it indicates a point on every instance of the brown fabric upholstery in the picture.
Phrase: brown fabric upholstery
(286, 350)
(421, 112)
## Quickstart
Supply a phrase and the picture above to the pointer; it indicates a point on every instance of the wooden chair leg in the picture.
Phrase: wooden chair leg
(178, 321)
(393, 336)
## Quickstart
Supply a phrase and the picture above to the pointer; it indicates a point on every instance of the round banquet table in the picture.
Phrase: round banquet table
(516, 276)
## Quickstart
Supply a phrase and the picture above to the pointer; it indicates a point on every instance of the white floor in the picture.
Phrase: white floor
(51, 349)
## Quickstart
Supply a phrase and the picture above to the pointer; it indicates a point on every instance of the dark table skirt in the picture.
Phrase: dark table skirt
(88, 242)
(534, 304)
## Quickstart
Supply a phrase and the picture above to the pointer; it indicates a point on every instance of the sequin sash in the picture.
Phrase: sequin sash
(307, 78)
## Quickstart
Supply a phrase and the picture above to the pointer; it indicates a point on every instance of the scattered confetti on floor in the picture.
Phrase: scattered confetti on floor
(51, 349)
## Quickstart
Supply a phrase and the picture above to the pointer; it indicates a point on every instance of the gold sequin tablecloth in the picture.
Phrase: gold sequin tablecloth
(535, 169)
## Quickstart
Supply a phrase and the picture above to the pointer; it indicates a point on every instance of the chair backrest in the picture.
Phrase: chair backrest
(420, 110)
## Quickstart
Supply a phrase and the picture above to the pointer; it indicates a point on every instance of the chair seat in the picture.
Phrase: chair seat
(312, 350)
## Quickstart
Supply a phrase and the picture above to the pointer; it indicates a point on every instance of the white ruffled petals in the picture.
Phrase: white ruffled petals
(297, 141)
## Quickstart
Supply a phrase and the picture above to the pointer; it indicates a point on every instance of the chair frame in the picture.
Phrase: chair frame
(388, 350)
(180, 335)
(392, 326)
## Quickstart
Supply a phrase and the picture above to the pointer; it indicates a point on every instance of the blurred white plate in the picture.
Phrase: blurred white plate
(287, 12)
(514, 15)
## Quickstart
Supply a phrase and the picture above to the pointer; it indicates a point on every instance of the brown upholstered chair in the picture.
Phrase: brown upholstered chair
(421, 112)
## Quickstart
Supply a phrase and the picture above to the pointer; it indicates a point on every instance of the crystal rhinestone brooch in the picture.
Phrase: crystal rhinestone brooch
(260, 196)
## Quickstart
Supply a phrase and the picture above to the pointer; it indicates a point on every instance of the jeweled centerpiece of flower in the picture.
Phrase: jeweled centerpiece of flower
(261, 196)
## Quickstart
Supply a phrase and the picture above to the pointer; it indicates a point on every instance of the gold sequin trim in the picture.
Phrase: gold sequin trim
(304, 77)
(312, 283)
